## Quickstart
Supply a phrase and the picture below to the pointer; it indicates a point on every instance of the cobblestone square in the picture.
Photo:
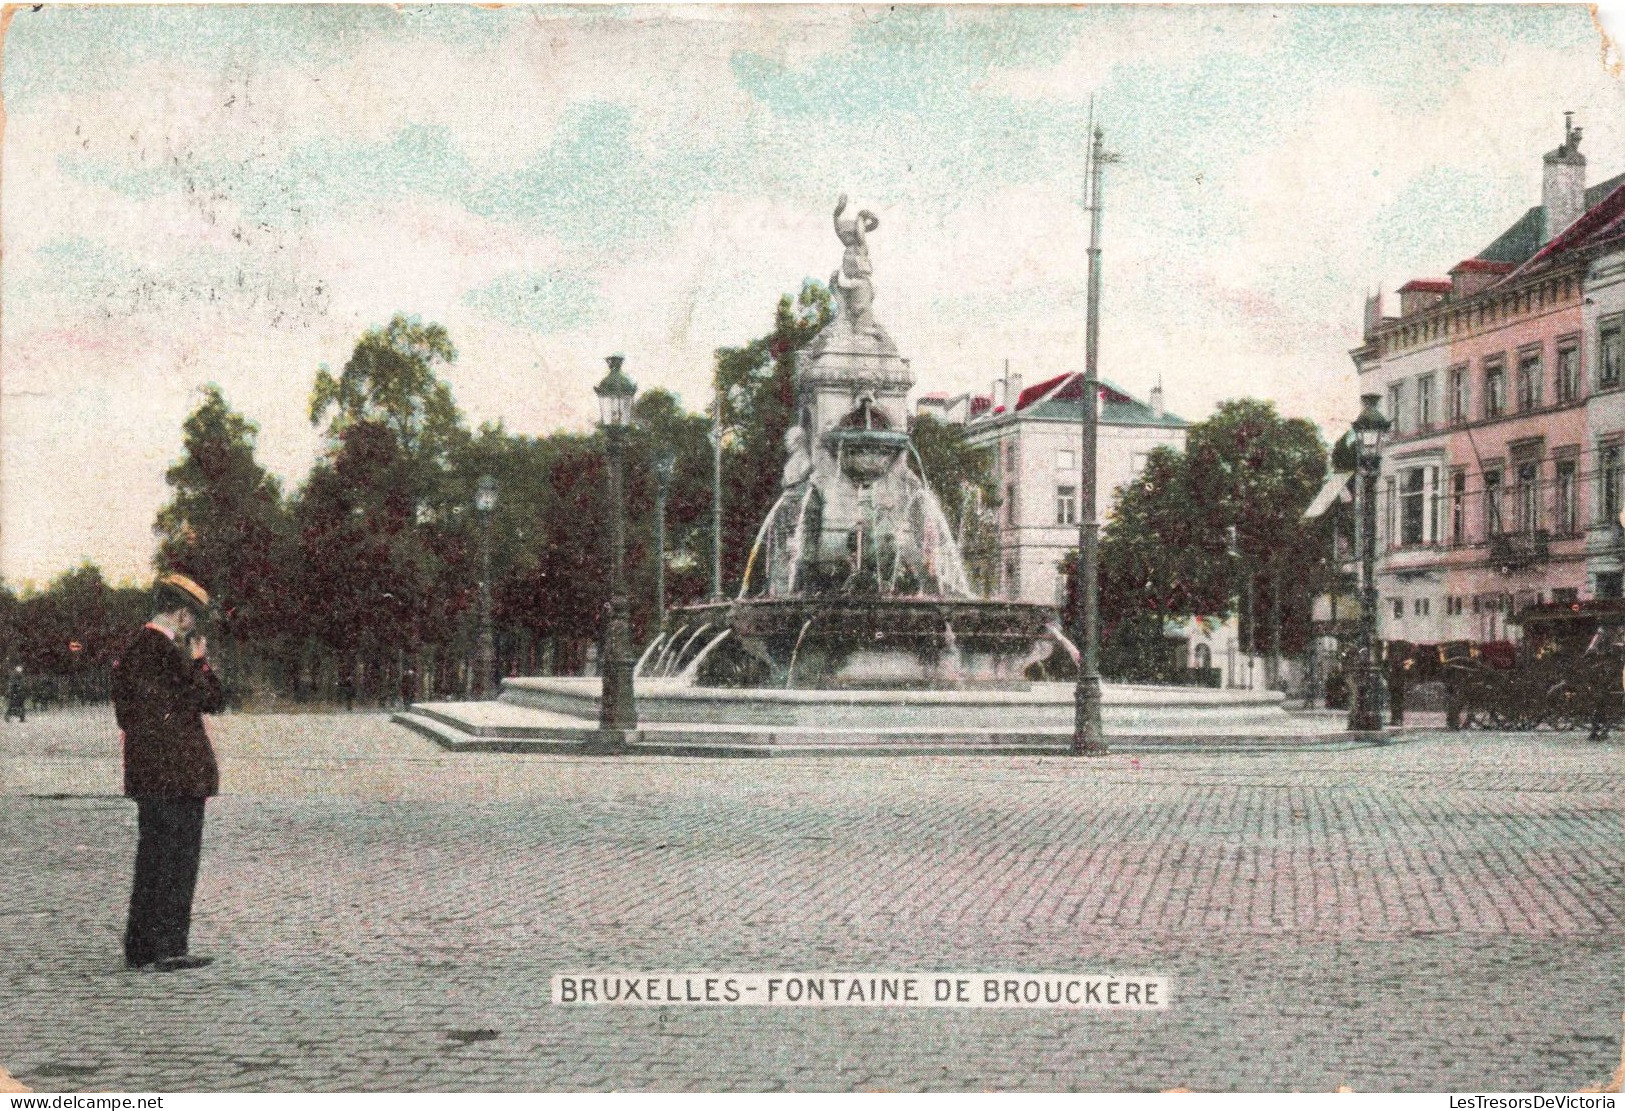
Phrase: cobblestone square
(1443, 913)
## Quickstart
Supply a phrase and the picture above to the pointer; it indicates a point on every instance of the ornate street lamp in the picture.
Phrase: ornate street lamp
(665, 463)
(617, 707)
(1365, 709)
(485, 500)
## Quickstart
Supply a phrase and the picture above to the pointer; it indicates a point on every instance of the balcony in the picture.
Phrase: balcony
(1514, 551)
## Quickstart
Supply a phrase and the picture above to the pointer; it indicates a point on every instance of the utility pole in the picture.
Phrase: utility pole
(1088, 738)
(716, 491)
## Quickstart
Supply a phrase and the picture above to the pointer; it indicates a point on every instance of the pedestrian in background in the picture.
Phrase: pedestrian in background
(162, 687)
(16, 695)
(1400, 663)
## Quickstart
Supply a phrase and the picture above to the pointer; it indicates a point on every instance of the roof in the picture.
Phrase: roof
(1481, 266)
(1601, 224)
(1426, 285)
(1059, 398)
(1522, 240)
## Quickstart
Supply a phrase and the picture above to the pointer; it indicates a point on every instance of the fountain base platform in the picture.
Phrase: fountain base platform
(560, 715)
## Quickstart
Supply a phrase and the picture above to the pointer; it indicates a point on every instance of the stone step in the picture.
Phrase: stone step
(500, 727)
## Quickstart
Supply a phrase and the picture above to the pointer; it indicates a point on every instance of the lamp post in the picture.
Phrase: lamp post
(617, 708)
(485, 500)
(1088, 738)
(1365, 709)
(665, 463)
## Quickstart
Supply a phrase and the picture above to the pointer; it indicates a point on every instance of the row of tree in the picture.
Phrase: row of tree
(368, 573)
(366, 576)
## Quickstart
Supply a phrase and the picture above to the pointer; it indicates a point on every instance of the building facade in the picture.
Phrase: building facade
(1495, 486)
(1602, 321)
(1034, 433)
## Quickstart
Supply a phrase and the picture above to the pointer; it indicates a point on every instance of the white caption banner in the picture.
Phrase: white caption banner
(1039, 991)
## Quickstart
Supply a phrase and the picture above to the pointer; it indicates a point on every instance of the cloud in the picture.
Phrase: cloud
(548, 302)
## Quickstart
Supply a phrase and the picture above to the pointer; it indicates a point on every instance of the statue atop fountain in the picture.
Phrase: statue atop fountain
(850, 283)
(855, 577)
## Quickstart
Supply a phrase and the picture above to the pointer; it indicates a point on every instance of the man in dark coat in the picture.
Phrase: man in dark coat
(162, 685)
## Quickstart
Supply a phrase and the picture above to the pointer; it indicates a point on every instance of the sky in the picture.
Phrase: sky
(233, 194)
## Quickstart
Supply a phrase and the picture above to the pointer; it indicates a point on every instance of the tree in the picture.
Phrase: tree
(77, 627)
(225, 524)
(385, 562)
(1256, 472)
(555, 586)
(1167, 549)
(390, 379)
(757, 382)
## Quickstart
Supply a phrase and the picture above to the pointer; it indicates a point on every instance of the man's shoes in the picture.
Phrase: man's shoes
(169, 964)
(181, 963)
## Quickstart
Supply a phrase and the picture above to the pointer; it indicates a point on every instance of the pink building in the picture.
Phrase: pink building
(1490, 476)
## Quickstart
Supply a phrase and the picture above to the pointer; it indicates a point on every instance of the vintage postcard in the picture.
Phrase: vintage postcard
(812, 548)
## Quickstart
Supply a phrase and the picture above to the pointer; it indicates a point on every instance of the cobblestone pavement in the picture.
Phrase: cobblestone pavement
(1440, 914)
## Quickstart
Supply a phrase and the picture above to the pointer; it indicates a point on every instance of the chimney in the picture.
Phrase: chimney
(1563, 185)
(1156, 401)
(1014, 386)
(996, 392)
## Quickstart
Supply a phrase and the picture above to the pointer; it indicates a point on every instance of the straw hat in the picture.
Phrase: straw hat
(176, 590)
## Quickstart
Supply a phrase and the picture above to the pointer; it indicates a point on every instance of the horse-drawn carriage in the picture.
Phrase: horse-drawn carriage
(1566, 673)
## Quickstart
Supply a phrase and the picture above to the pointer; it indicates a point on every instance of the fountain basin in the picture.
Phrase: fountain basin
(860, 641)
(865, 454)
(1036, 710)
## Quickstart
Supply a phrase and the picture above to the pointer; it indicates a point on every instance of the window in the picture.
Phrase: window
(1608, 464)
(1396, 401)
(1421, 606)
(1610, 584)
(1495, 390)
(1418, 492)
(1010, 504)
(1458, 395)
(1399, 608)
(1458, 508)
(1066, 460)
(1391, 504)
(1568, 517)
(1012, 578)
(1453, 606)
(1492, 503)
(1568, 375)
(1528, 497)
(1424, 402)
(1066, 505)
(1410, 506)
(1609, 355)
(1529, 371)
(1565, 595)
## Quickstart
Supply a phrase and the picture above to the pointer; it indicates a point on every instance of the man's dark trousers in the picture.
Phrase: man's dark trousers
(167, 852)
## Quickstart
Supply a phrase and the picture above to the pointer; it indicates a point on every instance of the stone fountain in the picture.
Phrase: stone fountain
(855, 579)
(855, 628)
